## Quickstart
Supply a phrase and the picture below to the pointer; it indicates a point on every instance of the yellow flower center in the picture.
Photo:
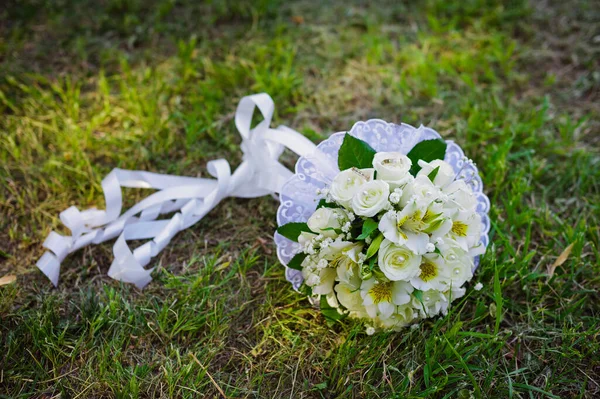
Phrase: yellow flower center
(459, 228)
(428, 271)
(381, 292)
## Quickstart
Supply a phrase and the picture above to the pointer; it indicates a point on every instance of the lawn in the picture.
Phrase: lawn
(86, 86)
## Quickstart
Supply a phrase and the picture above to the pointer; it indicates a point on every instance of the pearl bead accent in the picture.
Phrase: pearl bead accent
(400, 259)
(456, 271)
(452, 257)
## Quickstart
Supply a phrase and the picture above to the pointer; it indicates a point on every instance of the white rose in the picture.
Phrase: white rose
(325, 218)
(347, 183)
(392, 167)
(398, 263)
(445, 174)
(371, 198)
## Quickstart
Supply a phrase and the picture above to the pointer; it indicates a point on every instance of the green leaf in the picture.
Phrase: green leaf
(419, 295)
(433, 173)
(296, 262)
(355, 153)
(292, 230)
(324, 204)
(375, 244)
(368, 227)
(428, 150)
(372, 263)
(331, 314)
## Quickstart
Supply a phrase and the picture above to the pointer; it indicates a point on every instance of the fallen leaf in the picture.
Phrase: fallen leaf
(560, 260)
(8, 279)
(222, 266)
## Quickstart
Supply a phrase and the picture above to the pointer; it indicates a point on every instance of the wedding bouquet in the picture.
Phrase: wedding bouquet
(393, 239)
(367, 230)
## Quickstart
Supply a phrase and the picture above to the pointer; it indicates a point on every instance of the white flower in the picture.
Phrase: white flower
(407, 226)
(324, 219)
(460, 196)
(454, 293)
(371, 198)
(432, 302)
(434, 274)
(306, 238)
(398, 263)
(392, 167)
(466, 229)
(312, 280)
(445, 174)
(349, 296)
(322, 264)
(394, 197)
(381, 298)
(327, 278)
(478, 287)
(421, 190)
(370, 330)
(458, 262)
(403, 316)
(347, 183)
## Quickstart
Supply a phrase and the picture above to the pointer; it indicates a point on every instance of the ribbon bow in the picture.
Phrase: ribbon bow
(191, 198)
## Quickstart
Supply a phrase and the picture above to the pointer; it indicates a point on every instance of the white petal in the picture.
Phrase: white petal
(386, 309)
(417, 242)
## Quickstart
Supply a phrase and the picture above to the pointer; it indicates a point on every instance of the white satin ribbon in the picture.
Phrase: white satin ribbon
(191, 198)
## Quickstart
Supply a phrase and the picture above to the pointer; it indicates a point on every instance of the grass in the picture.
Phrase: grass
(86, 86)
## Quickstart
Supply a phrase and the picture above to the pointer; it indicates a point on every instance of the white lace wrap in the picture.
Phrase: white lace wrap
(191, 198)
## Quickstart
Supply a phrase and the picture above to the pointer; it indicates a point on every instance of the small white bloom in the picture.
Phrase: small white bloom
(322, 264)
(394, 198)
(347, 183)
(392, 167)
(370, 330)
(346, 227)
(398, 263)
(430, 247)
(445, 174)
(371, 198)
(478, 287)
(313, 280)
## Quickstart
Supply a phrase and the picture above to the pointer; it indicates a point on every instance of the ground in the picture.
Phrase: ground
(86, 86)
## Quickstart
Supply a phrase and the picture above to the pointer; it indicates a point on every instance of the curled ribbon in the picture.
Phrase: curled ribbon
(260, 173)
